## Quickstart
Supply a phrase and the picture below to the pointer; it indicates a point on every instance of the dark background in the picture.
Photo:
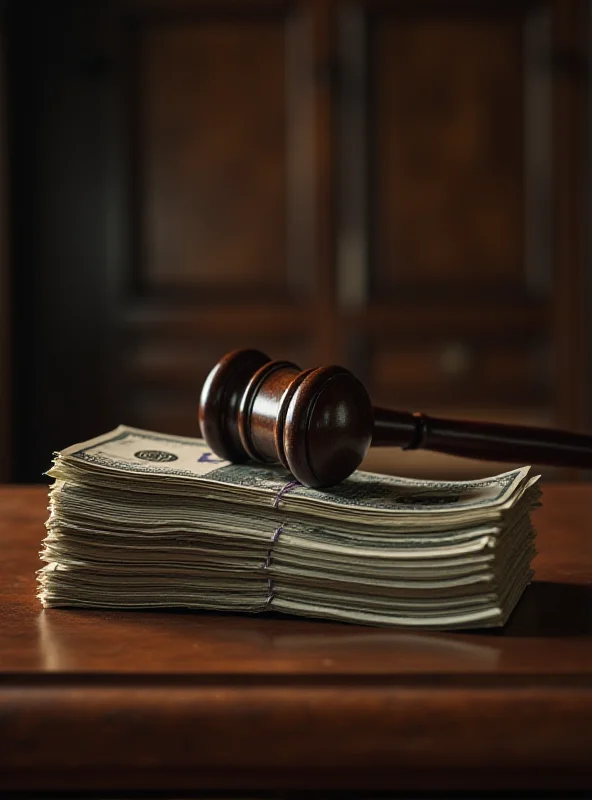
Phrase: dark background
(400, 187)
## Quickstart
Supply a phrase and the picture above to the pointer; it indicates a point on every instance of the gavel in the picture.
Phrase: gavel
(319, 423)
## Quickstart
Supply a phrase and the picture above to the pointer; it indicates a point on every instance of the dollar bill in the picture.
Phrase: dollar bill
(140, 519)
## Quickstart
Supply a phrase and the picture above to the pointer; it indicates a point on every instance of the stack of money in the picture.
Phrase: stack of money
(145, 520)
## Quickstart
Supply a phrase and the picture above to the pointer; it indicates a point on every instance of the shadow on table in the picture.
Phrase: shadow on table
(549, 608)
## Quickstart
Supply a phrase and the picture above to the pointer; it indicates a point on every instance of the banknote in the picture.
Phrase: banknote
(173, 465)
(140, 519)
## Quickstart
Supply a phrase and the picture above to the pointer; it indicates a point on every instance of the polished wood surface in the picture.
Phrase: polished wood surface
(320, 422)
(114, 700)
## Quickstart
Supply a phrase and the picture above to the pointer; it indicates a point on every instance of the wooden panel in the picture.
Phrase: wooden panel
(214, 222)
(445, 150)
(445, 264)
(572, 182)
(447, 372)
(5, 306)
(163, 375)
(221, 113)
(217, 208)
(447, 174)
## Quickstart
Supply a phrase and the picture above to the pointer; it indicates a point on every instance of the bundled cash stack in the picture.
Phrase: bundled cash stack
(144, 520)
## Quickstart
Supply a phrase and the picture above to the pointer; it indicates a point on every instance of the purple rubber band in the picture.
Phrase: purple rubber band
(288, 487)
(284, 490)
(274, 538)
(269, 593)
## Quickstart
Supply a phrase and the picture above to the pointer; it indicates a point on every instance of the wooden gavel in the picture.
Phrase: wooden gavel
(319, 423)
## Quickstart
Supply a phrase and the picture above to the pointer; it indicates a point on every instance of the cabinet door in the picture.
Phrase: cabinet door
(461, 125)
(172, 151)
(219, 115)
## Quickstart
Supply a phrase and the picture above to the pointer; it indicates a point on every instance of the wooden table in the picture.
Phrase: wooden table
(191, 701)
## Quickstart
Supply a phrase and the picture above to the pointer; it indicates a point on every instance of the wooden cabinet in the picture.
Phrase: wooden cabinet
(397, 186)
(5, 315)
(220, 107)
(443, 215)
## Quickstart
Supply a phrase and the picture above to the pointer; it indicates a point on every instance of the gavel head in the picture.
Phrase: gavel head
(317, 422)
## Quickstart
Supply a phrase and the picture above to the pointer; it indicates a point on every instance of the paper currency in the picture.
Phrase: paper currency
(145, 520)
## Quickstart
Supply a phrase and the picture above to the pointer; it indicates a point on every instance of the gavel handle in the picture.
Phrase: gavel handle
(490, 441)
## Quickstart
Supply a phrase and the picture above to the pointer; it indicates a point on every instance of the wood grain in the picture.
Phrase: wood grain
(381, 184)
(6, 386)
(194, 701)
(213, 179)
(442, 167)
(573, 355)
(466, 125)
